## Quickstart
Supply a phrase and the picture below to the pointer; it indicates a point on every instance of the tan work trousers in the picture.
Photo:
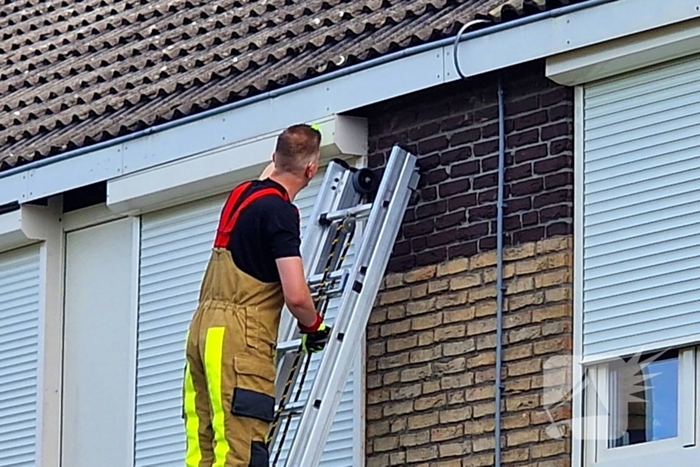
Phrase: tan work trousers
(230, 372)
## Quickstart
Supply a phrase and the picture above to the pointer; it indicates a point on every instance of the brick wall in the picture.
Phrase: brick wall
(431, 361)
(454, 131)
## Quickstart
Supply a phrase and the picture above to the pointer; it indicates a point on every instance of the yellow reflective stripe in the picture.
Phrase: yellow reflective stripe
(213, 358)
(194, 453)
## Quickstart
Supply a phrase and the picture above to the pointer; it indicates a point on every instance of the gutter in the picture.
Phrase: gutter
(307, 83)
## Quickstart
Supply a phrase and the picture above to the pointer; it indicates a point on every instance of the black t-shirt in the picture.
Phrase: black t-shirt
(267, 229)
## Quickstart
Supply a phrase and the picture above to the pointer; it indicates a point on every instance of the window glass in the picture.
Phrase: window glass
(644, 397)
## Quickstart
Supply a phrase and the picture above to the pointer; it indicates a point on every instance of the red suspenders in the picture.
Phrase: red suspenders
(232, 210)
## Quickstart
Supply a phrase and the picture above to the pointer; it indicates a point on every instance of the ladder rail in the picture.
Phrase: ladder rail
(356, 304)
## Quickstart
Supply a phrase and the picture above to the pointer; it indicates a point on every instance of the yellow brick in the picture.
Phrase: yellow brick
(430, 387)
(446, 433)
(531, 266)
(456, 415)
(554, 244)
(458, 348)
(399, 425)
(378, 460)
(515, 438)
(395, 312)
(377, 396)
(483, 260)
(477, 427)
(485, 308)
(426, 355)
(520, 252)
(374, 412)
(374, 381)
(426, 338)
(519, 285)
(376, 349)
(480, 393)
(553, 345)
(439, 285)
(418, 307)
(416, 422)
(397, 408)
(516, 455)
(458, 315)
(552, 312)
(550, 449)
(465, 282)
(397, 458)
(482, 293)
(387, 443)
(559, 294)
(415, 438)
(453, 331)
(540, 417)
(456, 398)
(377, 429)
(393, 280)
(520, 420)
(548, 279)
(453, 267)
(459, 448)
(396, 327)
(457, 381)
(526, 402)
(426, 322)
(378, 315)
(414, 374)
(517, 385)
(421, 274)
(483, 444)
(391, 378)
(449, 463)
(481, 326)
(513, 320)
(395, 296)
(517, 353)
(525, 367)
(421, 454)
(484, 376)
(559, 327)
(403, 343)
(486, 342)
(523, 300)
(431, 402)
(482, 460)
(524, 334)
(393, 361)
(372, 332)
(482, 359)
(560, 260)
(406, 392)
(490, 275)
(419, 291)
(453, 299)
(453, 366)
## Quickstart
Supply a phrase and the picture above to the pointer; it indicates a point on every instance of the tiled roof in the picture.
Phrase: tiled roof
(76, 72)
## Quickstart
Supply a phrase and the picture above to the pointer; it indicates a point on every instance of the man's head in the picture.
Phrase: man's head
(297, 152)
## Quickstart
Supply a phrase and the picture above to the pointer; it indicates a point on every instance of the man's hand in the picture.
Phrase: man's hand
(315, 337)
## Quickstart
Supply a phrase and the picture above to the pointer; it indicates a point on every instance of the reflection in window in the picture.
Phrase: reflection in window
(644, 399)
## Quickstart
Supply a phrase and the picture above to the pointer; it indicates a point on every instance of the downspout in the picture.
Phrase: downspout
(500, 288)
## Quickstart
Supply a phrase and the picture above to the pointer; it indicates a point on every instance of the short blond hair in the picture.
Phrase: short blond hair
(296, 147)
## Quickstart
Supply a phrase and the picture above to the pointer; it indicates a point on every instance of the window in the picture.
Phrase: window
(641, 409)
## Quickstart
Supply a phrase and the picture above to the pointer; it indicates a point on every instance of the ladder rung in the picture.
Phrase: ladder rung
(355, 211)
(316, 279)
(293, 407)
(288, 346)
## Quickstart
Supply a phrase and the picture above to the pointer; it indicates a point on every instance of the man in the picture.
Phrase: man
(254, 270)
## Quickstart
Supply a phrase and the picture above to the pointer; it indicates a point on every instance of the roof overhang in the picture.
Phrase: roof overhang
(23, 226)
(215, 171)
(556, 32)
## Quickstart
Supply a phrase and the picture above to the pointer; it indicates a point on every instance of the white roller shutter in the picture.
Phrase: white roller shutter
(642, 211)
(176, 245)
(19, 347)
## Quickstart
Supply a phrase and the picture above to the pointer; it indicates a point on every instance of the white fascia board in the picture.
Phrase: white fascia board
(23, 226)
(625, 54)
(218, 170)
(556, 35)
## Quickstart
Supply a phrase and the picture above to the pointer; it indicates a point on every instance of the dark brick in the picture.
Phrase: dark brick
(433, 144)
(465, 168)
(531, 153)
(386, 142)
(487, 243)
(552, 164)
(555, 131)
(418, 243)
(554, 96)
(449, 220)
(517, 204)
(431, 209)
(376, 160)
(519, 106)
(462, 249)
(454, 155)
(436, 176)
(523, 138)
(419, 228)
(518, 172)
(474, 231)
(530, 218)
(561, 112)
(452, 188)
(560, 228)
(559, 179)
(553, 197)
(512, 222)
(490, 130)
(488, 113)
(552, 213)
(527, 187)
(488, 196)
(533, 234)
(401, 248)
(409, 215)
(427, 163)
(400, 264)
(560, 146)
(489, 163)
(442, 238)
(428, 194)
(466, 136)
(431, 256)
(452, 123)
(485, 148)
(423, 131)
(486, 181)
(462, 201)
(530, 120)
(482, 213)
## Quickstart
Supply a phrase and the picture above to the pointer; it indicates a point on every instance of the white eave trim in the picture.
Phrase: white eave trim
(26, 225)
(559, 34)
(626, 54)
(215, 171)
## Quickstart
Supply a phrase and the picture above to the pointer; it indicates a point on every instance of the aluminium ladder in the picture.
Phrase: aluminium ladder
(339, 218)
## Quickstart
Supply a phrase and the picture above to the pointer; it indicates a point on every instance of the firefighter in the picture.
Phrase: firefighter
(255, 269)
